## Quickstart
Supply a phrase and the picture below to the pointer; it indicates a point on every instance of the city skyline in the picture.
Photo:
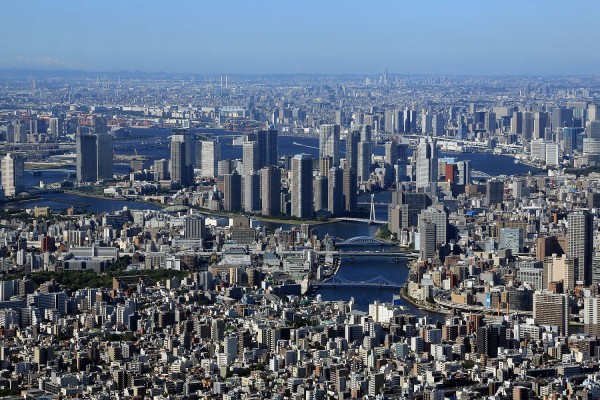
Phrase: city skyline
(458, 38)
(299, 237)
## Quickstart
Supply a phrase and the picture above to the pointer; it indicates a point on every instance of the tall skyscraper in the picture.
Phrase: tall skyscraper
(104, 156)
(389, 121)
(593, 130)
(87, 157)
(400, 165)
(405, 208)
(527, 125)
(479, 120)
(161, 170)
(210, 151)
(272, 147)
(551, 309)
(302, 186)
(569, 139)
(437, 125)
(391, 152)
(55, 127)
(193, 227)
(16, 132)
(494, 192)
(427, 239)
(321, 188)
(329, 142)
(13, 167)
(252, 201)
(270, 182)
(437, 215)
(224, 167)
(490, 122)
(561, 117)
(398, 121)
(516, 123)
(182, 171)
(336, 191)
(591, 315)
(352, 140)
(490, 338)
(540, 120)
(358, 119)
(232, 192)
(99, 125)
(364, 161)
(426, 123)
(350, 190)
(250, 157)
(33, 125)
(596, 268)
(427, 164)
(184, 135)
(325, 165)
(339, 117)
(365, 133)
(553, 154)
(410, 120)
(560, 269)
(261, 141)
(593, 111)
(580, 238)
(267, 147)
(464, 172)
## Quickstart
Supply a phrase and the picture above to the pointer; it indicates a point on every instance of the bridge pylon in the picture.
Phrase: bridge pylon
(372, 213)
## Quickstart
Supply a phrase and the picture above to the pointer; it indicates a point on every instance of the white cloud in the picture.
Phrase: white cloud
(43, 62)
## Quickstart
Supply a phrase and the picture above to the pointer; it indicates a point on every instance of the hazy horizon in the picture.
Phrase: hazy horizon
(462, 38)
(375, 74)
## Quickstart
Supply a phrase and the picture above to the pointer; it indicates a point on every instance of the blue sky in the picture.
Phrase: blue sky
(303, 36)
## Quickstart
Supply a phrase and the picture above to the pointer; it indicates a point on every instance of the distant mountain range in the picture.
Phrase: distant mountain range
(199, 77)
(65, 73)
(70, 73)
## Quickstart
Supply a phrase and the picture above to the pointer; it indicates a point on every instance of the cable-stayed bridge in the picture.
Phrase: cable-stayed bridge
(371, 219)
(365, 220)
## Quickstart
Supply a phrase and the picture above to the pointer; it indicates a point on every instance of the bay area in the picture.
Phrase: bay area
(148, 142)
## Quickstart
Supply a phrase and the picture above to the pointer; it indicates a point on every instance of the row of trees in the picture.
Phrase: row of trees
(74, 280)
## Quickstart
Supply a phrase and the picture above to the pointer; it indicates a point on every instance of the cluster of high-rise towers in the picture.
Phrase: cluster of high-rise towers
(299, 185)
(94, 151)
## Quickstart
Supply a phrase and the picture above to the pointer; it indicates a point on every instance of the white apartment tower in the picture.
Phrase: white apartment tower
(13, 167)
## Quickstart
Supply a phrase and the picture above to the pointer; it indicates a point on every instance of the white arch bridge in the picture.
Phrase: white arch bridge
(364, 241)
(369, 246)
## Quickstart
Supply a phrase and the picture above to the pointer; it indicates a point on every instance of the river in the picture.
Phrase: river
(145, 143)
(153, 143)
(62, 201)
(366, 269)
(361, 269)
